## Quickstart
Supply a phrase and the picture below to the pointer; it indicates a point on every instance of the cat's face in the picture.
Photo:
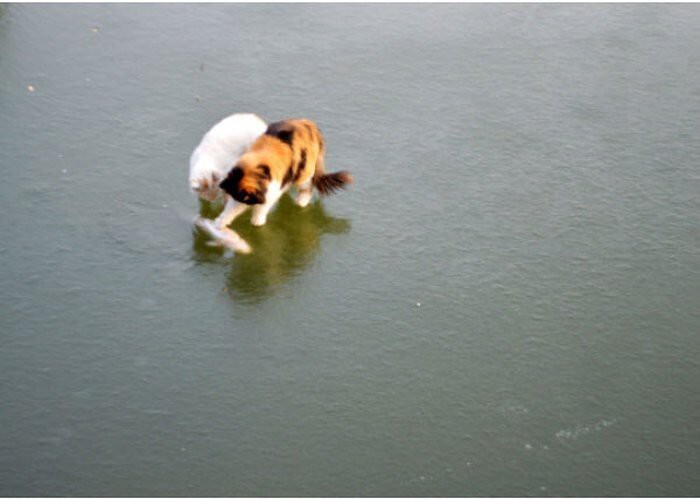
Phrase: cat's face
(247, 182)
(207, 187)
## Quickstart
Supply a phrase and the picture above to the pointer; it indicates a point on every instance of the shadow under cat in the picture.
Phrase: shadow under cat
(281, 249)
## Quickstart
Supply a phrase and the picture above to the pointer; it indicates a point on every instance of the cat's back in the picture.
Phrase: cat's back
(229, 138)
(240, 127)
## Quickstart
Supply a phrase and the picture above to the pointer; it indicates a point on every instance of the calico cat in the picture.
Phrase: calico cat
(289, 153)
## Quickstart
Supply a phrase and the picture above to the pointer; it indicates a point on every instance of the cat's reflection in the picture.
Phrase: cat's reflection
(282, 248)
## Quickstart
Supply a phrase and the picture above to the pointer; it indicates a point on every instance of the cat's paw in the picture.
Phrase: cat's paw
(303, 199)
(259, 220)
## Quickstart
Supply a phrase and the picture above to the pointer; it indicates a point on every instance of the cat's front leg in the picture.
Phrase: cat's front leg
(232, 209)
(260, 211)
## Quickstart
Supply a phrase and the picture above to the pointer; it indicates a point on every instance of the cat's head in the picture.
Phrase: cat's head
(247, 182)
(206, 187)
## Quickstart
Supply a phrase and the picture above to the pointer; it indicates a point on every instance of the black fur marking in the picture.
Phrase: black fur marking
(288, 175)
(282, 132)
(249, 198)
(230, 183)
(302, 165)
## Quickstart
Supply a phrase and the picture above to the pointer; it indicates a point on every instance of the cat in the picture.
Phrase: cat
(290, 152)
(219, 149)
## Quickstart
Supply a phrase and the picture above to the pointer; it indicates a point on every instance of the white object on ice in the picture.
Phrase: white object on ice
(224, 236)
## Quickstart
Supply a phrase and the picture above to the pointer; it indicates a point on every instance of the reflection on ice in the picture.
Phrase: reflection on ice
(280, 249)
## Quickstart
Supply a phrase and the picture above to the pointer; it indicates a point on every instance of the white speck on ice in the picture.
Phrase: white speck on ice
(580, 430)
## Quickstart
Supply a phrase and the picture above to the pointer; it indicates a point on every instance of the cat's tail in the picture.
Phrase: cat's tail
(328, 183)
(331, 182)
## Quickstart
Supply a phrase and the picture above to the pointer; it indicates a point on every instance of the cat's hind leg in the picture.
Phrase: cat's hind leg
(304, 195)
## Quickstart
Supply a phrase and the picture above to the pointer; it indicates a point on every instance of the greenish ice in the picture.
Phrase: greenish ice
(506, 301)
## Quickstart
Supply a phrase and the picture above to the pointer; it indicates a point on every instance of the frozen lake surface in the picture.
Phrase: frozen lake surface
(505, 302)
